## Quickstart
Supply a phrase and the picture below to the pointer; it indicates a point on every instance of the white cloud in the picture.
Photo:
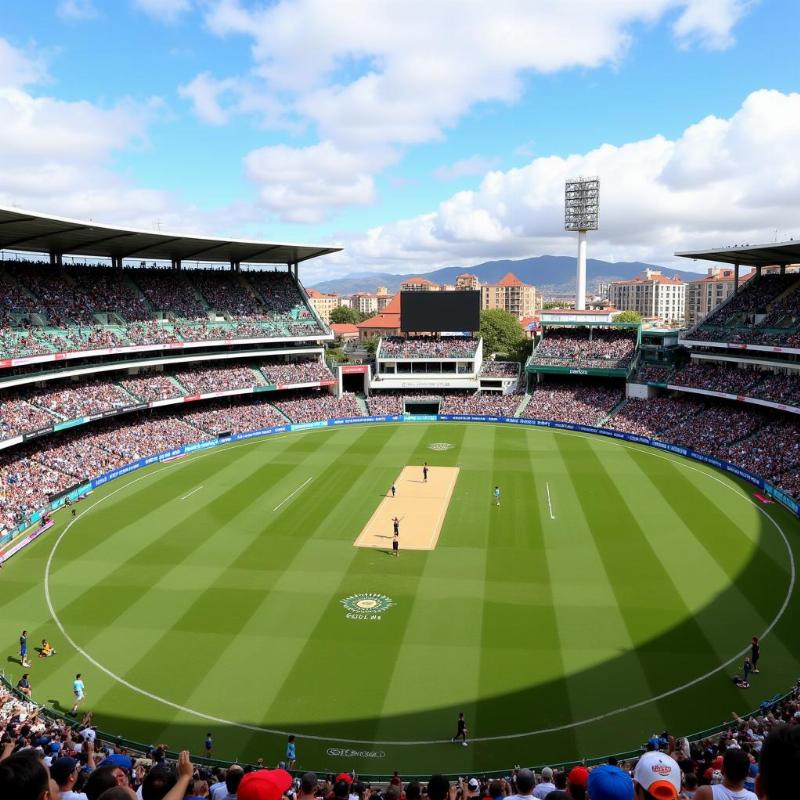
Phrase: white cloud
(167, 11)
(304, 184)
(57, 154)
(373, 75)
(723, 180)
(474, 165)
(77, 10)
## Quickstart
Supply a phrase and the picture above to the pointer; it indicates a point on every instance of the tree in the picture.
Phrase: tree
(628, 316)
(344, 315)
(501, 332)
(371, 344)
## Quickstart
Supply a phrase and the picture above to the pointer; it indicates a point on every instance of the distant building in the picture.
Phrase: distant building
(323, 303)
(467, 281)
(387, 323)
(383, 297)
(344, 332)
(512, 295)
(705, 294)
(364, 302)
(650, 294)
(418, 284)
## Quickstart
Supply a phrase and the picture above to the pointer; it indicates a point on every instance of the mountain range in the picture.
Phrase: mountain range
(554, 276)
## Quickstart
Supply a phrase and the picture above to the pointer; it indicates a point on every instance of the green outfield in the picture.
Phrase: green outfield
(612, 594)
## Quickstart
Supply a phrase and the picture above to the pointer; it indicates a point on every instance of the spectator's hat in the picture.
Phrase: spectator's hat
(578, 776)
(610, 783)
(62, 768)
(264, 784)
(473, 784)
(659, 775)
(343, 776)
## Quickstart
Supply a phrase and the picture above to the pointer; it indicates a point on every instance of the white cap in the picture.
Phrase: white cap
(659, 775)
(473, 784)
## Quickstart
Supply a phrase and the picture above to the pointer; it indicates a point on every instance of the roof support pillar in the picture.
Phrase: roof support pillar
(783, 269)
(56, 259)
(736, 278)
(116, 262)
(176, 264)
(236, 266)
(758, 271)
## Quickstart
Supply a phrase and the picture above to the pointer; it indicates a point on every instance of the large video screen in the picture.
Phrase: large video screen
(436, 312)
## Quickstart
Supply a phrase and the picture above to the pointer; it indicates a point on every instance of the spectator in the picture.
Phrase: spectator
(546, 785)
(656, 777)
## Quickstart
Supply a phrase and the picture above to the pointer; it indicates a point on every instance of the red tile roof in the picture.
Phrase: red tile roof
(509, 279)
(388, 318)
(343, 327)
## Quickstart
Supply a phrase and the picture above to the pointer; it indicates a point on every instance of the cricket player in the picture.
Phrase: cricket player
(497, 495)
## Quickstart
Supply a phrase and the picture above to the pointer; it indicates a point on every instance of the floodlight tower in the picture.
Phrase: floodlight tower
(581, 212)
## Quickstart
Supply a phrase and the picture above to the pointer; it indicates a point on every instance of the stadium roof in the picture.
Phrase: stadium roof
(752, 255)
(31, 232)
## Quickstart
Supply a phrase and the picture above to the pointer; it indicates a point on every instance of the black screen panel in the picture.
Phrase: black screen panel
(435, 312)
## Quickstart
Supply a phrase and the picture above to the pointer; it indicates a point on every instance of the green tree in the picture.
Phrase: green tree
(628, 316)
(501, 332)
(344, 315)
(371, 344)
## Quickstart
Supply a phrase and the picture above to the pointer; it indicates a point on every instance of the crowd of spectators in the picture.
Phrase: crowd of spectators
(778, 387)
(203, 379)
(765, 312)
(585, 403)
(428, 347)
(18, 415)
(653, 373)
(46, 309)
(493, 404)
(762, 442)
(42, 756)
(220, 416)
(72, 399)
(499, 369)
(594, 348)
(151, 386)
(313, 405)
(285, 373)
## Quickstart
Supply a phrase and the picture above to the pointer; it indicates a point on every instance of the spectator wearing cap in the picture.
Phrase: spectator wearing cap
(656, 777)
(735, 766)
(64, 771)
(525, 781)
(607, 782)
(577, 779)
(263, 784)
(473, 789)
(546, 786)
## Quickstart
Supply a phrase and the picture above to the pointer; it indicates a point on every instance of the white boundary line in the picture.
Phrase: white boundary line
(735, 488)
(287, 499)
(194, 491)
(549, 503)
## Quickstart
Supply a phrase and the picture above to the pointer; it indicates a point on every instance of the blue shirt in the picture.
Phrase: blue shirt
(290, 751)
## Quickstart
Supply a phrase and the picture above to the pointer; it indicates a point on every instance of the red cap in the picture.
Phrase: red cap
(343, 776)
(264, 784)
(579, 776)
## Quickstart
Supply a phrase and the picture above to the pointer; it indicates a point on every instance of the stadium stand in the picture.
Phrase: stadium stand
(583, 402)
(765, 312)
(588, 348)
(428, 347)
(82, 308)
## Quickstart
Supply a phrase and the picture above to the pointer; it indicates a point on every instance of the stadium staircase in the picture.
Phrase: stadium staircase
(362, 404)
(285, 416)
(614, 411)
(526, 398)
(134, 399)
(260, 378)
(177, 384)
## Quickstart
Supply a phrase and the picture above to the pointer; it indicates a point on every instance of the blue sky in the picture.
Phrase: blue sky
(415, 134)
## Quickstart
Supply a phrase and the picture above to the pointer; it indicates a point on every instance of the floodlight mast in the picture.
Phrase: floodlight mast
(581, 214)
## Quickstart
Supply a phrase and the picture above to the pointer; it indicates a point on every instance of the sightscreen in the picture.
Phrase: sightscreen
(436, 312)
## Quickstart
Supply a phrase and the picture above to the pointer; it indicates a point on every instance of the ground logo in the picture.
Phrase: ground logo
(440, 446)
(366, 606)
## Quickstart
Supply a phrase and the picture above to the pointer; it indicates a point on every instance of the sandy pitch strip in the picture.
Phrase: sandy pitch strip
(419, 506)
